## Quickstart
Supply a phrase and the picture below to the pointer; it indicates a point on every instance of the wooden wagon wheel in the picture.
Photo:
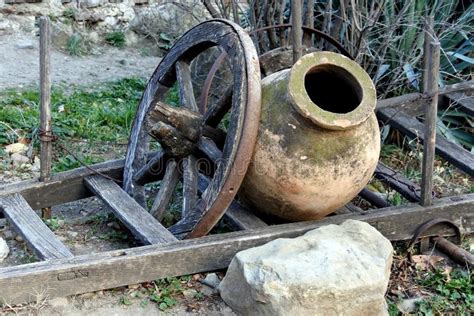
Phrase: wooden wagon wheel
(187, 134)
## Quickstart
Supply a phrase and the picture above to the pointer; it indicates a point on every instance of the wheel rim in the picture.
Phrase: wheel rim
(204, 212)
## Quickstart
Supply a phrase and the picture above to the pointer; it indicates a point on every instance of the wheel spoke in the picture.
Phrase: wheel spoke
(190, 184)
(186, 92)
(167, 187)
(153, 170)
(216, 112)
(209, 149)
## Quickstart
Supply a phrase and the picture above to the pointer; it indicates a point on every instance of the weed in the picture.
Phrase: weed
(452, 292)
(69, 13)
(100, 115)
(125, 301)
(166, 290)
(115, 38)
(76, 45)
(54, 223)
(114, 236)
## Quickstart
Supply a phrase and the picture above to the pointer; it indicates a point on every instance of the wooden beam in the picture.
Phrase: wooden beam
(413, 128)
(407, 100)
(41, 240)
(431, 115)
(45, 102)
(141, 223)
(117, 268)
(63, 187)
(462, 102)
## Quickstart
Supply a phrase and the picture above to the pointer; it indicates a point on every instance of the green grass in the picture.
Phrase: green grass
(76, 45)
(452, 293)
(115, 38)
(88, 118)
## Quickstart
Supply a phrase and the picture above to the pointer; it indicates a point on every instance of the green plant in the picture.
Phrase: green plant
(452, 292)
(457, 127)
(86, 116)
(125, 301)
(114, 236)
(76, 45)
(166, 290)
(69, 13)
(54, 223)
(166, 41)
(115, 38)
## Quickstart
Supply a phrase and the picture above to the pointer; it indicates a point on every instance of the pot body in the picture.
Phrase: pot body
(310, 161)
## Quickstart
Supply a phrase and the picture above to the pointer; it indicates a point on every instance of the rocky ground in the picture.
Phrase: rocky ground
(19, 64)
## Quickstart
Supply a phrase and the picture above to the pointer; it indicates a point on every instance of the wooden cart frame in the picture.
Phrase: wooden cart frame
(61, 274)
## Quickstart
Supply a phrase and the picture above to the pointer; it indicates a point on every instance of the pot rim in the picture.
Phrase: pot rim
(307, 108)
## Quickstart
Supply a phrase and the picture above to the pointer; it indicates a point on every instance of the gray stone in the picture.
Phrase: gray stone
(211, 280)
(169, 18)
(24, 45)
(189, 294)
(91, 3)
(333, 270)
(19, 159)
(408, 305)
(4, 250)
(72, 234)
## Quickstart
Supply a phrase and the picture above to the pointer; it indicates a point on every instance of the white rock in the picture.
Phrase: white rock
(189, 293)
(24, 45)
(408, 305)
(4, 250)
(58, 302)
(16, 148)
(91, 3)
(333, 270)
(18, 159)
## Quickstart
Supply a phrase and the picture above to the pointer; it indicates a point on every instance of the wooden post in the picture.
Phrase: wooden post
(296, 29)
(431, 112)
(309, 22)
(45, 105)
(429, 33)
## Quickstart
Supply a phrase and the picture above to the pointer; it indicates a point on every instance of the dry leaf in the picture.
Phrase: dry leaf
(425, 262)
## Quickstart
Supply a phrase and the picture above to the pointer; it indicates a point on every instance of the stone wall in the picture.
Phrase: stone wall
(151, 18)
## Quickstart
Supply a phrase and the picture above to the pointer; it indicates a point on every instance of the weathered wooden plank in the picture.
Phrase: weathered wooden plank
(411, 127)
(117, 268)
(462, 101)
(242, 218)
(237, 215)
(63, 187)
(141, 223)
(407, 100)
(34, 231)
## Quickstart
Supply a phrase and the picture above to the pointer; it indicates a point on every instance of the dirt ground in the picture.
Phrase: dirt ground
(19, 64)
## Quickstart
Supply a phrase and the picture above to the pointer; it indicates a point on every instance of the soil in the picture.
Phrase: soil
(19, 64)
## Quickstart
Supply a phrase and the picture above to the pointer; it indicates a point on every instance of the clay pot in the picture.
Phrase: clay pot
(318, 142)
